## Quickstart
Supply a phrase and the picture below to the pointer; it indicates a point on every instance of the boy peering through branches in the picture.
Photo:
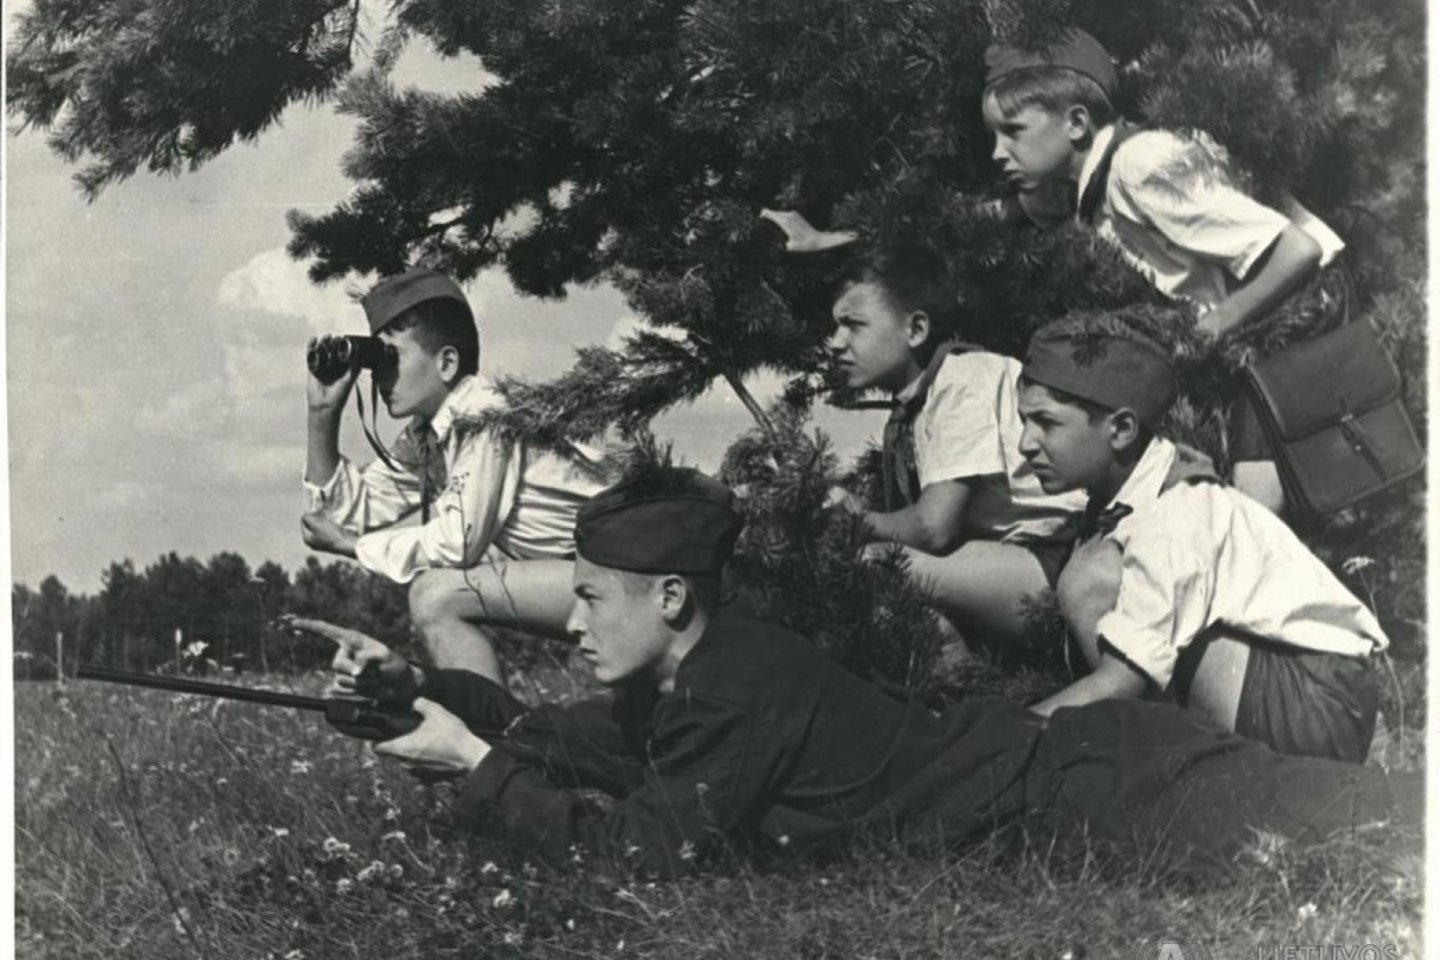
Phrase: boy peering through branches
(979, 533)
(1165, 201)
(496, 542)
(1180, 584)
(727, 734)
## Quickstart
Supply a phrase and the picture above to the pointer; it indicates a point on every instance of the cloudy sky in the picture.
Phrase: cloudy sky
(155, 351)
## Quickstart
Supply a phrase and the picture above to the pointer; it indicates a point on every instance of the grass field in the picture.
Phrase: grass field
(154, 825)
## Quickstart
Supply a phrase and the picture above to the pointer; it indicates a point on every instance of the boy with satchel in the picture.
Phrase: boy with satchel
(1166, 201)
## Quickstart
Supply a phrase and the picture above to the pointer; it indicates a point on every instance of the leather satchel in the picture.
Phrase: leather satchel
(1332, 410)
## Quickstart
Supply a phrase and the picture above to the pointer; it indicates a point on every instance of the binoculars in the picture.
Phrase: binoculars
(330, 358)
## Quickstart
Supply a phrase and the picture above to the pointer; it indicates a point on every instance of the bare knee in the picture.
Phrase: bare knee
(1087, 589)
(431, 600)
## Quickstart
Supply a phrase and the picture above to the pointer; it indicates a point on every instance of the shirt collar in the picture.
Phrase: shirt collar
(1146, 480)
(444, 418)
(1098, 145)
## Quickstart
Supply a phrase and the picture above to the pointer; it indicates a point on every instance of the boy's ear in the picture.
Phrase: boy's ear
(447, 363)
(673, 595)
(1079, 125)
(917, 329)
(1124, 429)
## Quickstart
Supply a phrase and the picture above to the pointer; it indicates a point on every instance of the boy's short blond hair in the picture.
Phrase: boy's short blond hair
(1053, 89)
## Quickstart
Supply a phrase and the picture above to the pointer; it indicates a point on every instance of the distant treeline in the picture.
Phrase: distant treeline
(221, 604)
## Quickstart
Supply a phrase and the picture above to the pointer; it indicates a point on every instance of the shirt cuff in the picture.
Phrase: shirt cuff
(1139, 646)
(323, 495)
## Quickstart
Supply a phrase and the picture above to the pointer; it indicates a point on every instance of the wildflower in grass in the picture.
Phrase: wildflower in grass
(221, 781)
(512, 938)
(502, 899)
(687, 851)
(343, 885)
(370, 872)
(279, 832)
(180, 918)
(1305, 912)
(1266, 849)
(395, 871)
(333, 847)
(299, 766)
(230, 856)
(397, 835)
(1355, 564)
(488, 868)
(295, 955)
(784, 840)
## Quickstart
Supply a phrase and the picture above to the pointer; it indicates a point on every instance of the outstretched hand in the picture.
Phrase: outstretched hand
(801, 237)
(442, 746)
(363, 666)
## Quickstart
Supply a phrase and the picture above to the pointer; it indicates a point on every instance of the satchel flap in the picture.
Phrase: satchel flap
(1316, 383)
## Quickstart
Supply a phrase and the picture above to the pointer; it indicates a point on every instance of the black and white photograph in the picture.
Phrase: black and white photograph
(767, 479)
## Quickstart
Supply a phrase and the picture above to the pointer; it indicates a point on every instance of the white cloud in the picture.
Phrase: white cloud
(274, 285)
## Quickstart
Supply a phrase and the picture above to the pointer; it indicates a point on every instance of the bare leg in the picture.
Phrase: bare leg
(449, 606)
(981, 585)
(1219, 678)
(1260, 481)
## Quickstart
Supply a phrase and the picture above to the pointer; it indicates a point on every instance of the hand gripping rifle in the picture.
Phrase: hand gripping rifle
(357, 716)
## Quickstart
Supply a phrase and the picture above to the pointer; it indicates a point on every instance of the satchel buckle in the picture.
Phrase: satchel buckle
(1358, 439)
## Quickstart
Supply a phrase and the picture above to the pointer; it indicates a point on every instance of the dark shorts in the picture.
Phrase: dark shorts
(1052, 555)
(1309, 703)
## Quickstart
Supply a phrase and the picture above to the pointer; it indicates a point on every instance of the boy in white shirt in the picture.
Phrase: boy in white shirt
(979, 532)
(1180, 584)
(496, 543)
(1166, 201)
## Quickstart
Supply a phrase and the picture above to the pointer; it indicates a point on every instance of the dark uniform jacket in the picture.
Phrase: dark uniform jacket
(764, 739)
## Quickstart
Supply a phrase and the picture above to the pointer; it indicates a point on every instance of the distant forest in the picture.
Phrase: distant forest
(224, 610)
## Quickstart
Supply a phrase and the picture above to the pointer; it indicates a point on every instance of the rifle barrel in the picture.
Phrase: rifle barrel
(182, 685)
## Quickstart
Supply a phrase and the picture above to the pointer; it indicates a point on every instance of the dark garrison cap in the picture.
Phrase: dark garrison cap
(1109, 365)
(395, 295)
(668, 520)
(1075, 49)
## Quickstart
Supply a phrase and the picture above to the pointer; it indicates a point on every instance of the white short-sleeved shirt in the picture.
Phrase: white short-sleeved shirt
(1203, 554)
(520, 500)
(1175, 214)
(969, 429)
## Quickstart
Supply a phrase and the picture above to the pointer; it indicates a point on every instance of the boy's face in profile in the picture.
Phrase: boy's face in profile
(1064, 447)
(872, 341)
(618, 626)
(1033, 145)
(413, 385)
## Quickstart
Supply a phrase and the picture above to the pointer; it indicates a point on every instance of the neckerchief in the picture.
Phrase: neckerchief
(901, 475)
(1088, 206)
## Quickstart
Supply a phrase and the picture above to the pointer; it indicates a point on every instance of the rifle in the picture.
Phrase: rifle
(357, 716)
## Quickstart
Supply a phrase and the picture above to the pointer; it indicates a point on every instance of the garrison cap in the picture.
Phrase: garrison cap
(666, 520)
(1108, 364)
(1074, 49)
(394, 295)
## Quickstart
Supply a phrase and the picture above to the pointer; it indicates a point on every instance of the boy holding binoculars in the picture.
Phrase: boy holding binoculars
(495, 544)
